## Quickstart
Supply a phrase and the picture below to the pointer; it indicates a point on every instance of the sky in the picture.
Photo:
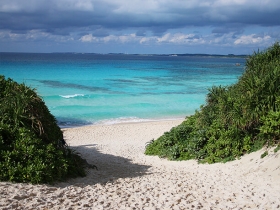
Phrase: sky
(139, 26)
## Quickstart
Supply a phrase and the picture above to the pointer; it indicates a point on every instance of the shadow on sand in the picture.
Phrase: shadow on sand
(110, 167)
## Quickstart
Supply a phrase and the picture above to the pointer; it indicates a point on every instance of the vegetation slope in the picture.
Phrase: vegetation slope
(235, 120)
(32, 148)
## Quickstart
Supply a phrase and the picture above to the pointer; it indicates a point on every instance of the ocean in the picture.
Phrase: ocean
(81, 89)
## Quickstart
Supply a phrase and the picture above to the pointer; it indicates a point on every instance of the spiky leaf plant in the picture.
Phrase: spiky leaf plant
(32, 148)
(236, 119)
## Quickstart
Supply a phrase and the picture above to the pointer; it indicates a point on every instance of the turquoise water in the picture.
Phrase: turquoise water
(90, 88)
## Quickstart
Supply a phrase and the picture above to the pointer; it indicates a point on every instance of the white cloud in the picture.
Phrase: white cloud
(172, 39)
(110, 38)
(146, 40)
(252, 39)
(176, 38)
(182, 39)
(128, 38)
(164, 38)
(88, 38)
(122, 38)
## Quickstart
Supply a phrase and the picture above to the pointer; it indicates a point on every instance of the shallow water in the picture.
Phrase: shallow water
(91, 88)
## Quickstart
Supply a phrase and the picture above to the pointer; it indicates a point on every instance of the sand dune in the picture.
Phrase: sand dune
(127, 179)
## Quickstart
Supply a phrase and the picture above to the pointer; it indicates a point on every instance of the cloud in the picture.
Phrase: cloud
(164, 38)
(88, 38)
(177, 38)
(147, 14)
(252, 39)
(110, 38)
(145, 22)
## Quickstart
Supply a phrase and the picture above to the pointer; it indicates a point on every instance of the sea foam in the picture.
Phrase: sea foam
(122, 120)
(72, 96)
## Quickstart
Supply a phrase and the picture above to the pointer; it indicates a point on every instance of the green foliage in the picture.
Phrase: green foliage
(32, 148)
(264, 154)
(236, 119)
(277, 148)
(270, 128)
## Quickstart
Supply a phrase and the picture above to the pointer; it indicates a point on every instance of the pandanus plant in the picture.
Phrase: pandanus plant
(235, 119)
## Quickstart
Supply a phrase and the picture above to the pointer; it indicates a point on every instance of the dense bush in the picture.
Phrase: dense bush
(32, 148)
(236, 119)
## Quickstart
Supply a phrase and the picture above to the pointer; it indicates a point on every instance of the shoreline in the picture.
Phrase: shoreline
(123, 120)
(128, 179)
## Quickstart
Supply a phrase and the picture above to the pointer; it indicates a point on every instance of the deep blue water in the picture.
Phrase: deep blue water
(91, 88)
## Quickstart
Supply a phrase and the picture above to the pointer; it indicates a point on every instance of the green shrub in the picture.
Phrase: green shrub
(264, 154)
(236, 119)
(270, 128)
(277, 148)
(32, 148)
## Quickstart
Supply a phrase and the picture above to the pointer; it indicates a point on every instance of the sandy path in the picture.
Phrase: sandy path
(127, 179)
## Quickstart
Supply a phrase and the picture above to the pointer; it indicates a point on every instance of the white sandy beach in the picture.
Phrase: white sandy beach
(127, 179)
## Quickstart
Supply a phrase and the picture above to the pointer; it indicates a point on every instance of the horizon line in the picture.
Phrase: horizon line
(147, 54)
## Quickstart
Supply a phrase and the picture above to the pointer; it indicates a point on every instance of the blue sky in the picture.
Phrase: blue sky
(139, 26)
